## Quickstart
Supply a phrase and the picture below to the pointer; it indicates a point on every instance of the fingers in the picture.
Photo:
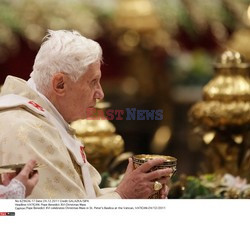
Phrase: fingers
(34, 179)
(150, 164)
(163, 180)
(7, 177)
(130, 167)
(31, 183)
(164, 192)
(140, 183)
(28, 168)
(157, 174)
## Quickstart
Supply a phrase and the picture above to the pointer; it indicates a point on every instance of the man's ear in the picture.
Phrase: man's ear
(58, 83)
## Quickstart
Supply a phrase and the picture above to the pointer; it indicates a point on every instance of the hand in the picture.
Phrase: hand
(164, 192)
(28, 177)
(7, 177)
(139, 183)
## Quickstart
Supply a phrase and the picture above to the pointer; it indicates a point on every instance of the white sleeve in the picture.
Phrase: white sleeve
(15, 190)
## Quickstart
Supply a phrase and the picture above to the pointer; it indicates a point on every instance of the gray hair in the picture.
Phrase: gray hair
(64, 51)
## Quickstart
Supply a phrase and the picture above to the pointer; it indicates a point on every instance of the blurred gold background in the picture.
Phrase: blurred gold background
(158, 54)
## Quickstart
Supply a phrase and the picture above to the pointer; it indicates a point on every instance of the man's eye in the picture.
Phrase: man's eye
(95, 82)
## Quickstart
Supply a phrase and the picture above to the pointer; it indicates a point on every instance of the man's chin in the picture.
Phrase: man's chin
(78, 118)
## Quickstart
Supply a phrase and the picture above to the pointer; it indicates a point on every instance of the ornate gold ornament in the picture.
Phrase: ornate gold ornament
(223, 117)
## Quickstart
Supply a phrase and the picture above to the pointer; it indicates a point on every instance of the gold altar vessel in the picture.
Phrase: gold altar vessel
(170, 162)
(223, 117)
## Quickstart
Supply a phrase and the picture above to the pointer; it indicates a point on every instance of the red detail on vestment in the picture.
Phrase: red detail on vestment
(37, 106)
(83, 153)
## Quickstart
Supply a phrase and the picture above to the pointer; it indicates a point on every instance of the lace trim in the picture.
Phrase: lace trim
(15, 190)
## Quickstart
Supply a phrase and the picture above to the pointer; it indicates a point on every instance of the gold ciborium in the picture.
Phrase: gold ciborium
(170, 162)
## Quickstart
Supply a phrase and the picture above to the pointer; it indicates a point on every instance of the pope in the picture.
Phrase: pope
(35, 117)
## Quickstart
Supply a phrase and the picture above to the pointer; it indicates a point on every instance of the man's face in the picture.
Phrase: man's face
(82, 94)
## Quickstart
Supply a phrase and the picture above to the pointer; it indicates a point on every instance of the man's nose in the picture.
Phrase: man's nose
(99, 94)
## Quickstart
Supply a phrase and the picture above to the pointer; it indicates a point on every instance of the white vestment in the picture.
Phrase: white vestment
(27, 135)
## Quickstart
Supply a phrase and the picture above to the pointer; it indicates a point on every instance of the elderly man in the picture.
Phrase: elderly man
(34, 117)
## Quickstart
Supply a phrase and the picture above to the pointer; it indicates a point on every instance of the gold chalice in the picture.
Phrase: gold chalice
(170, 162)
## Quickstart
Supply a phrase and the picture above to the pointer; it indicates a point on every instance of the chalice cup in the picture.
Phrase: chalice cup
(169, 162)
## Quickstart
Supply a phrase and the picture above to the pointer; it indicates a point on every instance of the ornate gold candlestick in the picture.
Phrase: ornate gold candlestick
(223, 117)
